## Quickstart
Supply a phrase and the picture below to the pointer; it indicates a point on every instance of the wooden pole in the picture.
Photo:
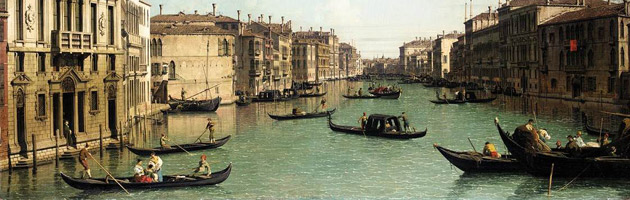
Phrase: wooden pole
(34, 154)
(100, 139)
(550, 180)
(99, 164)
(120, 135)
(9, 158)
(57, 148)
(471, 144)
(601, 126)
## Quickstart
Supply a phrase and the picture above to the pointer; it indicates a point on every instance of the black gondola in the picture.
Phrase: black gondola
(169, 181)
(476, 162)
(175, 149)
(360, 97)
(375, 126)
(195, 105)
(391, 95)
(312, 95)
(450, 101)
(592, 130)
(270, 96)
(304, 116)
(243, 101)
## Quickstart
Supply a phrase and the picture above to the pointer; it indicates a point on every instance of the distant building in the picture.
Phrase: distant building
(349, 60)
(310, 60)
(330, 69)
(441, 53)
(414, 56)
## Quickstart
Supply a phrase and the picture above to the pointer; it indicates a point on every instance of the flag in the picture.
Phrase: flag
(574, 45)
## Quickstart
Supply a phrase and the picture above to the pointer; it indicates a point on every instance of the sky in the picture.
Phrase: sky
(375, 27)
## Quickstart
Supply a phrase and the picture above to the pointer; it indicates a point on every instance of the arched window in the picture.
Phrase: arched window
(612, 30)
(251, 47)
(226, 48)
(252, 65)
(159, 47)
(153, 47)
(561, 61)
(554, 83)
(171, 71)
(623, 57)
(561, 34)
(590, 58)
(613, 58)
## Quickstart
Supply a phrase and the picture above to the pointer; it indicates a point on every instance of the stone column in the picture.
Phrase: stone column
(60, 113)
(76, 113)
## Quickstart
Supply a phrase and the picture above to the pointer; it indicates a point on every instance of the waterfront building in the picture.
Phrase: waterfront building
(482, 60)
(206, 64)
(4, 91)
(310, 60)
(330, 69)
(414, 56)
(65, 63)
(349, 60)
(277, 64)
(137, 73)
(441, 52)
(457, 58)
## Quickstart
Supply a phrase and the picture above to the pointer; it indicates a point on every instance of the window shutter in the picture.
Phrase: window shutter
(220, 45)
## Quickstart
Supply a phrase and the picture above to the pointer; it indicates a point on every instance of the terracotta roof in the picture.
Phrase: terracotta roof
(520, 3)
(588, 13)
(418, 43)
(484, 16)
(276, 28)
(249, 33)
(186, 29)
(181, 17)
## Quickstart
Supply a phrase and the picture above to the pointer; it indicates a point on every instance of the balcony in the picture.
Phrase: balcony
(285, 73)
(254, 73)
(71, 42)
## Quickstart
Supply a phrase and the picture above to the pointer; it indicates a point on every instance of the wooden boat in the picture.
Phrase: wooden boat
(305, 116)
(270, 96)
(451, 101)
(376, 127)
(481, 100)
(175, 149)
(381, 93)
(169, 181)
(195, 105)
(312, 83)
(241, 102)
(592, 130)
(361, 97)
(593, 162)
(393, 95)
(476, 162)
(312, 95)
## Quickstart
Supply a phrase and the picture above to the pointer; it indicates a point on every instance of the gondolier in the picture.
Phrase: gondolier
(363, 120)
(183, 94)
(405, 120)
(210, 127)
(157, 163)
(163, 140)
(83, 156)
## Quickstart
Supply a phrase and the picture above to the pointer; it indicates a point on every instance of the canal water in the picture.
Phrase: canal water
(304, 159)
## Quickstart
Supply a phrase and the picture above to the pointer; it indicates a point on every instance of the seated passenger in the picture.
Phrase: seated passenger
(490, 150)
(150, 173)
(138, 171)
(572, 147)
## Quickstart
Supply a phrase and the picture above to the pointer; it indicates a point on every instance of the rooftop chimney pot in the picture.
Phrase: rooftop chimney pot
(161, 9)
(214, 9)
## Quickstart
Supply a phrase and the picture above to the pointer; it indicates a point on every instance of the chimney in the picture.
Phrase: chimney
(577, 2)
(465, 11)
(547, 2)
(300, 28)
(249, 19)
(238, 13)
(196, 12)
(499, 6)
(262, 18)
(608, 2)
(471, 9)
(161, 9)
(489, 14)
(282, 24)
(310, 30)
(321, 30)
(214, 9)
(269, 19)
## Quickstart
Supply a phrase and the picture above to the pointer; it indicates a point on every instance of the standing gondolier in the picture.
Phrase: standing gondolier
(183, 94)
(405, 120)
(363, 120)
(83, 156)
(163, 141)
(210, 127)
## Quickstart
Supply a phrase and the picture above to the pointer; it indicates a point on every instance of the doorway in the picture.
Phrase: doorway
(68, 110)
(577, 87)
(21, 124)
(55, 115)
(111, 112)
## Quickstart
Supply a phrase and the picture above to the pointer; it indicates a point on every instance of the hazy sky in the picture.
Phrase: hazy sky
(377, 27)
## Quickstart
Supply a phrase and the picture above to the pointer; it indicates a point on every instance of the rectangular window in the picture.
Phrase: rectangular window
(93, 22)
(68, 16)
(110, 18)
(19, 62)
(19, 21)
(40, 20)
(56, 14)
(81, 111)
(80, 63)
(94, 62)
(611, 85)
(111, 64)
(78, 16)
(41, 105)
(94, 101)
(591, 84)
(41, 62)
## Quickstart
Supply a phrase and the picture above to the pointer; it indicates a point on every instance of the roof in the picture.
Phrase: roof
(418, 43)
(588, 13)
(187, 29)
(520, 3)
(182, 17)
(249, 33)
(484, 16)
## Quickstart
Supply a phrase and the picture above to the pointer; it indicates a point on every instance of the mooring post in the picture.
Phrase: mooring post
(9, 157)
(100, 138)
(57, 148)
(34, 154)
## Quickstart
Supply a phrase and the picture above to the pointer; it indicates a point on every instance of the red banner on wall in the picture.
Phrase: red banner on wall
(574, 45)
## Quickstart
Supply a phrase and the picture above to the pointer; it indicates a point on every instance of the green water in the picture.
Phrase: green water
(304, 159)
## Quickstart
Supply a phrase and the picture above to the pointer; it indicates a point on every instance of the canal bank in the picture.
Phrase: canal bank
(304, 159)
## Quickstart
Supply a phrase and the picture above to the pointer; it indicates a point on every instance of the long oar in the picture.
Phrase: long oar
(473, 146)
(199, 138)
(601, 126)
(183, 149)
(99, 164)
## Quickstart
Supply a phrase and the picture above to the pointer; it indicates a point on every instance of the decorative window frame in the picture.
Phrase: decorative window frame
(98, 110)
(39, 117)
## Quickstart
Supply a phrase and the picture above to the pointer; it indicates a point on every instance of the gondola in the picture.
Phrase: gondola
(451, 101)
(481, 100)
(381, 94)
(270, 96)
(360, 97)
(169, 181)
(476, 162)
(375, 127)
(592, 163)
(312, 95)
(392, 95)
(175, 149)
(305, 116)
(242, 102)
(592, 130)
(195, 105)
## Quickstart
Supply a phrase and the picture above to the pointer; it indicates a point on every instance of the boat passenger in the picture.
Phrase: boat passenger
(543, 135)
(605, 141)
(83, 157)
(405, 120)
(323, 103)
(138, 171)
(558, 144)
(579, 140)
(572, 148)
(363, 121)
(210, 127)
(360, 92)
(183, 93)
(203, 166)
(613, 151)
(149, 172)
(157, 162)
(388, 127)
(163, 141)
(490, 150)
